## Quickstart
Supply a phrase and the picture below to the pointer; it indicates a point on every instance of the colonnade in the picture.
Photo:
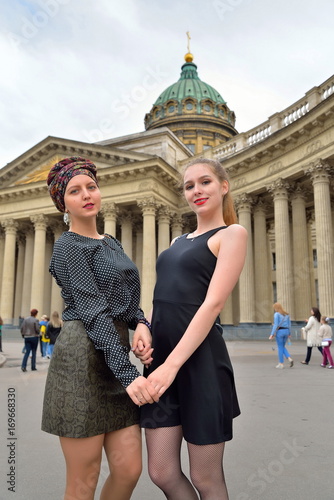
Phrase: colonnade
(147, 227)
(26, 249)
(295, 276)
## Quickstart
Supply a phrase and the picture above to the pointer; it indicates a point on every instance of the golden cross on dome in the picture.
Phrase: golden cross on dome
(189, 38)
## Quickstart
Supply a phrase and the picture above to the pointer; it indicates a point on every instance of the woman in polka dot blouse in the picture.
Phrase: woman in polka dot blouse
(93, 391)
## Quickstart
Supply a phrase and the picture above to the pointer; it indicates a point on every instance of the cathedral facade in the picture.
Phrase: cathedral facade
(281, 176)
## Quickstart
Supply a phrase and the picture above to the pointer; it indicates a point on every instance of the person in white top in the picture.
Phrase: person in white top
(326, 334)
(312, 329)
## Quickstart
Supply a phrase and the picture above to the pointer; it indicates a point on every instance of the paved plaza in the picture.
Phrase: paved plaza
(283, 446)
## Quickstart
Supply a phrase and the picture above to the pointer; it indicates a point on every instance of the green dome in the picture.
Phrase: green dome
(189, 85)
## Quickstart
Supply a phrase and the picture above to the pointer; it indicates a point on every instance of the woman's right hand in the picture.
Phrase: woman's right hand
(141, 391)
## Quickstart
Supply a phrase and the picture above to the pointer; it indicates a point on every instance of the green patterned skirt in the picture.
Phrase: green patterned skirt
(82, 396)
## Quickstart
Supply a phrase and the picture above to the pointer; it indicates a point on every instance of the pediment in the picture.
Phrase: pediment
(33, 166)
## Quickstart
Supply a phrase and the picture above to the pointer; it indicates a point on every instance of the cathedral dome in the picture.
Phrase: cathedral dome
(193, 107)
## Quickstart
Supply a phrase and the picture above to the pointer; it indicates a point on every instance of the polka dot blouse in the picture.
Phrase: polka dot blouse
(99, 283)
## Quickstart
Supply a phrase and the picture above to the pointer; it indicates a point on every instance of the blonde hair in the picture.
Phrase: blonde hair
(230, 216)
(278, 308)
(55, 320)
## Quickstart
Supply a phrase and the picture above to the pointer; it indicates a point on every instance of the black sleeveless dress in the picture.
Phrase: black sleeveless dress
(202, 397)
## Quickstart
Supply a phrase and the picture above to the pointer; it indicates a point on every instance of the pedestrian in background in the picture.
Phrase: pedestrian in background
(326, 334)
(312, 338)
(43, 323)
(281, 330)
(30, 334)
(53, 330)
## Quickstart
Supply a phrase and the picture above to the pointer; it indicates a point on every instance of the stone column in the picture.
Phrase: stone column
(47, 276)
(148, 206)
(320, 174)
(8, 276)
(56, 303)
(2, 251)
(301, 258)
(19, 278)
(226, 316)
(310, 238)
(164, 216)
(139, 248)
(109, 211)
(126, 233)
(243, 204)
(177, 225)
(199, 141)
(38, 266)
(263, 302)
(284, 273)
(27, 272)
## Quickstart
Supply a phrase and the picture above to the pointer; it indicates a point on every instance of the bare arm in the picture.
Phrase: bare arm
(230, 261)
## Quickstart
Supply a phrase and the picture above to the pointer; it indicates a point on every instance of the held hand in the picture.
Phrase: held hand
(141, 334)
(142, 392)
(144, 353)
(141, 344)
(162, 377)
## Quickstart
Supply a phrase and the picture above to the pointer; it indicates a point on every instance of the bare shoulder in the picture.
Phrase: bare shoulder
(231, 239)
(234, 231)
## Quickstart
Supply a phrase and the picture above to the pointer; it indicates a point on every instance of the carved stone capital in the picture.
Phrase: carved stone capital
(244, 202)
(148, 205)
(109, 209)
(279, 189)
(319, 171)
(39, 221)
(298, 192)
(10, 226)
(126, 217)
(164, 214)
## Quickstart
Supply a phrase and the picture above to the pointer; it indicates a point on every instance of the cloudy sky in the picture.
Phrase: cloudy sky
(89, 70)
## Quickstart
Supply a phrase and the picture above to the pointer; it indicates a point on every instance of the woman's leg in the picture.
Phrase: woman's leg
(164, 463)
(280, 347)
(83, 462)
(123, 450)
(308, 355)
(206, 470)
(285, 351)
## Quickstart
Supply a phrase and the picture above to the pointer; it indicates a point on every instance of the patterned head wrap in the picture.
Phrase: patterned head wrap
(62, 172)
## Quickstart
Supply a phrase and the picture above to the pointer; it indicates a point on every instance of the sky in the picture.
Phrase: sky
(89, 70)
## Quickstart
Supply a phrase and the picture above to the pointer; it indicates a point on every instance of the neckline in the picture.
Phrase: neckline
(102, 236)
(192, 238)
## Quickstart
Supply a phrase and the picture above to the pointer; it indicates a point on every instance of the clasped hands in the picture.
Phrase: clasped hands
(148, 390)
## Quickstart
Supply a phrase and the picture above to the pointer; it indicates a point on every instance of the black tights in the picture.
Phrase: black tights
(164, 466)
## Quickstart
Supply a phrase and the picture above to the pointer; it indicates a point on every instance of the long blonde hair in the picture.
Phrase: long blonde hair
(278, 308)
(230, 216)
(55, 320)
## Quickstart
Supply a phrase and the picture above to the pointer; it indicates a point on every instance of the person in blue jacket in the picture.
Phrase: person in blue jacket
(281, 330)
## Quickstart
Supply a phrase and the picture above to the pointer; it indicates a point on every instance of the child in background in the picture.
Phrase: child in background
(326, 333)
(44, 340)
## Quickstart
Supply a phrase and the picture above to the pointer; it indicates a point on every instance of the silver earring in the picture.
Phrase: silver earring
(66, 218)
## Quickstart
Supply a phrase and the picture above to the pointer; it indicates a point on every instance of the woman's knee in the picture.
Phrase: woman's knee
(160, 474)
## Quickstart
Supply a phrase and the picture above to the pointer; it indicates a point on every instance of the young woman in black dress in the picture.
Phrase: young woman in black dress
(191, 369)
(92, 390)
